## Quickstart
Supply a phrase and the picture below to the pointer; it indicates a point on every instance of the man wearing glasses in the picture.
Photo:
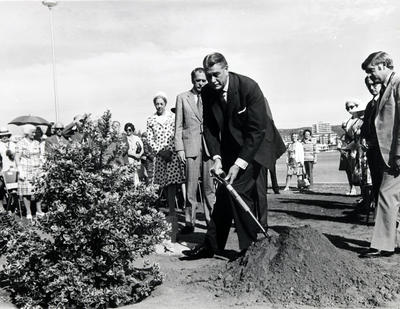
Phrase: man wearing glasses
(56, 139)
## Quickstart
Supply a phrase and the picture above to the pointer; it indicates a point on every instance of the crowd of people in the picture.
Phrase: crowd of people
(223, 123)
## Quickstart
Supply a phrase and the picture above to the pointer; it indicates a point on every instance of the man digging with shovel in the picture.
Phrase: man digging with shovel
(242, 139)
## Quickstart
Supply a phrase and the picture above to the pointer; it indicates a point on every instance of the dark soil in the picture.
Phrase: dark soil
(301, 266)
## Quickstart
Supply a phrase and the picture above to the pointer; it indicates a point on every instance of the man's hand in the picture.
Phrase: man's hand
(232, 174)
(182, 156)
(396, 166)
(217, 166)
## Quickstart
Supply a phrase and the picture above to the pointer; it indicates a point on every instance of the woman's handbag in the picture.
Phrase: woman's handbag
(166, 155)
(302, 181)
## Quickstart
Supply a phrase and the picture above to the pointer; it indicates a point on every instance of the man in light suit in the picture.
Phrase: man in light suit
(190, 146)
(379, 67)
(241, 139)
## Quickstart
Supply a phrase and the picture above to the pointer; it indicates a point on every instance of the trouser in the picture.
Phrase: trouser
(274, 181)
(226, 209)
(375, 164)
(384, 235)
(262, 203)
(309, 167)
(196, 167)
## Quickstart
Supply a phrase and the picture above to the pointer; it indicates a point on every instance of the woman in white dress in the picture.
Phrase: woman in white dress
(135, 149)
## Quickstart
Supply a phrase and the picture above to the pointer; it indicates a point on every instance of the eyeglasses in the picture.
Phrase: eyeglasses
(350, 107)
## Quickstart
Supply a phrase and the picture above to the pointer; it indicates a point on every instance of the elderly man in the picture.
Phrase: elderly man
(386, 124)
(56, 139)
(189, 143)
(241, 139)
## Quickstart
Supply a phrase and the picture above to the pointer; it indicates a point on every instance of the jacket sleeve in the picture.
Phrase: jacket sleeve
(397, 118)
(178, 124)
(256, 125)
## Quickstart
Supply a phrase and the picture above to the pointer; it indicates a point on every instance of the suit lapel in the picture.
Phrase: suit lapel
(386, 94)
(233, 96)
(193, 105)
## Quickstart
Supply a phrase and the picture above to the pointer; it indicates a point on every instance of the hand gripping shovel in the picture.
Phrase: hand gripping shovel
(237, 198)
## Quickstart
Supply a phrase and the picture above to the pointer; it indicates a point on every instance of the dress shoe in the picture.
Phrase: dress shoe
(200, 252)
(187, 229)
(373, 253)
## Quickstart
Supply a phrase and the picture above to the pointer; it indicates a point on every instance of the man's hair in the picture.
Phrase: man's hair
(214, 58)
(377, 58)
(196, 70)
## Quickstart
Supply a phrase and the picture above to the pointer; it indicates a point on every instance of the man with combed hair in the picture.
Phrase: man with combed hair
(379, 68)
(241, 139)
(190, 146)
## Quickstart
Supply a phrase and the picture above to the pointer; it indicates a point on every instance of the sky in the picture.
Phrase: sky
(306, 55)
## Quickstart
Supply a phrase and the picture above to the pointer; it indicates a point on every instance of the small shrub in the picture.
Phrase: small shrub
(85, 253)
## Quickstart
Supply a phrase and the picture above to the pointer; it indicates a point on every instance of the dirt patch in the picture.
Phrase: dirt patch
(301, 266)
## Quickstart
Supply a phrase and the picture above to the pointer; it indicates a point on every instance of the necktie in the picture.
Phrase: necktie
(199, 104)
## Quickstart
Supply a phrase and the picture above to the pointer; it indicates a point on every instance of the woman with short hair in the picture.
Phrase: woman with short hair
(135, 149)
(160, 133)
(350, 149)
(28, 159)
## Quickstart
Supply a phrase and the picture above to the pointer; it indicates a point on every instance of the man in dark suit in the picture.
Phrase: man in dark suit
(368, 132)
(379, 67)
(241, 139)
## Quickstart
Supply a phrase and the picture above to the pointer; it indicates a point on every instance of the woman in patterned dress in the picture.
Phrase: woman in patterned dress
(160, 133)
(29, 160)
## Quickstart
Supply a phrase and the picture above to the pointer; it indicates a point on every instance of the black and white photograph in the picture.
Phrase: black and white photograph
(199, 154)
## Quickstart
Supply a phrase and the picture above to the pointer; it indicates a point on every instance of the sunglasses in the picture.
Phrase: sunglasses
(129, 130)
(350, 107)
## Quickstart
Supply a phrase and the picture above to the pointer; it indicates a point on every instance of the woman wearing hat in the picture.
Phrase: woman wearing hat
(28, 157)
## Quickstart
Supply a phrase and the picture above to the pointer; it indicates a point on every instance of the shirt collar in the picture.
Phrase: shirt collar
(226, 85)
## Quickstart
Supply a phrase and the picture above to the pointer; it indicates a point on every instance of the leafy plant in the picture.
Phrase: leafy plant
(85, 253)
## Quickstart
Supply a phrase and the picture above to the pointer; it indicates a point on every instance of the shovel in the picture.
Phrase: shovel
(237, 198)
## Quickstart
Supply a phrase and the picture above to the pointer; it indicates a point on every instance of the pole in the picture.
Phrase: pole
(54, 64)
(50, 4)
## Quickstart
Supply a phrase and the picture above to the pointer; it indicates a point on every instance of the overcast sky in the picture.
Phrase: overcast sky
(116, 55)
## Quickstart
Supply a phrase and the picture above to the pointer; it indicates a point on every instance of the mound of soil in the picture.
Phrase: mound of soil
(301, 266)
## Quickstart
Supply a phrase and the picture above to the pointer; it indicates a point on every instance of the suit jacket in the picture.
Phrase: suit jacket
(54, 141)
(369, 118)
(387, 121)
(253, 131)
(188, 124)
